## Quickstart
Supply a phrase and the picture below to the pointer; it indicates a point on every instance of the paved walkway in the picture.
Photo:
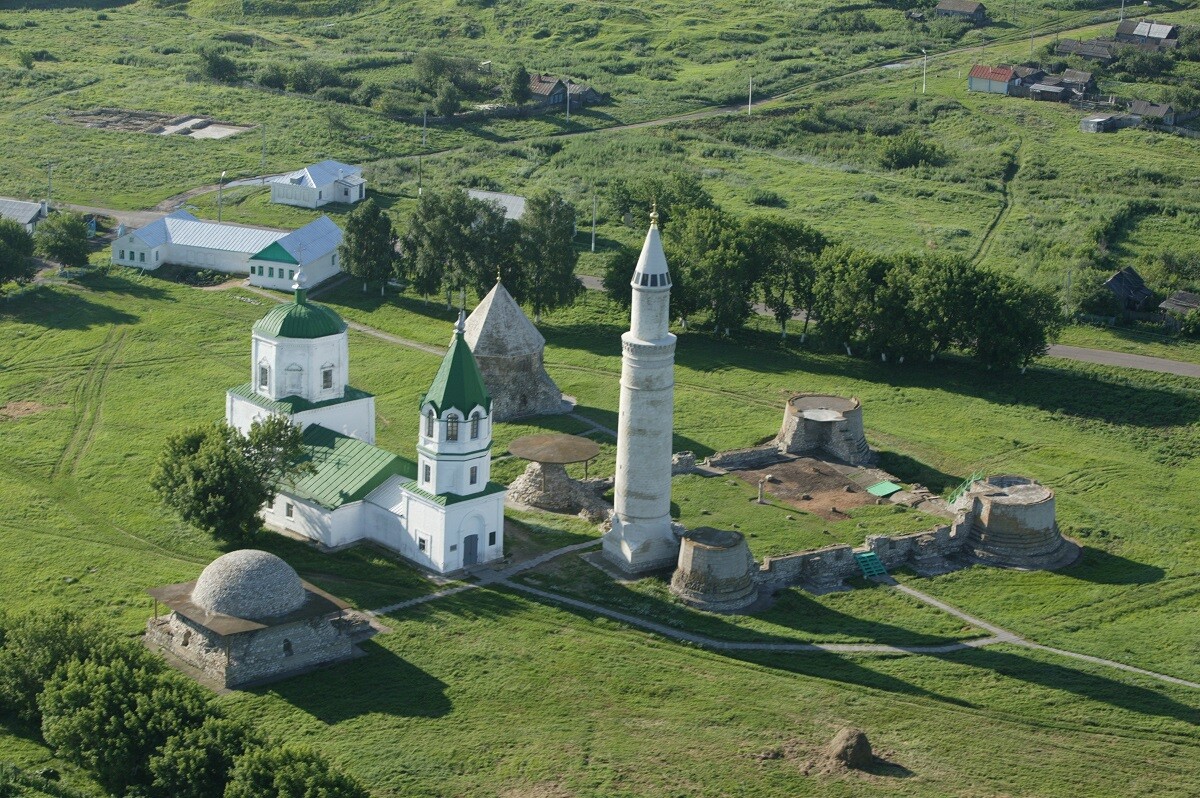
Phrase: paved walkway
(1105, 357)
(503, 578)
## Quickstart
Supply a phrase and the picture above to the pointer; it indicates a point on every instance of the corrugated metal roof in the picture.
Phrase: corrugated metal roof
(1154, 30)
(390, 495)
(319, 174)
(19, 211)
(543, 84)
(294, 404)
(513, 204)
(314, 240)
(186, 230)
(1183, 302)
(347, 469)
(962, 6)
(998, 74)
(452, 498)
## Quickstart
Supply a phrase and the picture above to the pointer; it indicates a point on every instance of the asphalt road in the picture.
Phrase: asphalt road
(1106, 358)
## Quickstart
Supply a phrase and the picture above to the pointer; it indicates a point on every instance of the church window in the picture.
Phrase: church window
(474, 474)
(654, 281)
(429, 421)
(327, 377)
(264, 376)
(156, 256)
(452, 427)
(427, 473)
(295, 378)
(492, 538)
(423, 544)
(289, 510)
(475, 425)
(333, 260)
(453, 547)
(287, 648)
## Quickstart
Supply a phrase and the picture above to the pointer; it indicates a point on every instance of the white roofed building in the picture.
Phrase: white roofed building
(513, 205)
(320, 184)
(269, 257)
(26, 214)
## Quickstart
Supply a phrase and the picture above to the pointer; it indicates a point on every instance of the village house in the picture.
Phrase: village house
(1147, 32)
(1130, 289)
(1101, 52)
(270, 258)
(991, 80)
(549, 91)
(962, 9)
(26, 214)
(320, 184)
(1079, 81)
(1177, 306)
(513, 205)
(1153, 113)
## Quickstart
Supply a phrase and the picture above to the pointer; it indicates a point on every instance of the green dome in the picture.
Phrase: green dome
(299, 319)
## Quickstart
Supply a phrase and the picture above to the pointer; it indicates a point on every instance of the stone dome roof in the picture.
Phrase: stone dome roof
(300, 319)
(249, 584)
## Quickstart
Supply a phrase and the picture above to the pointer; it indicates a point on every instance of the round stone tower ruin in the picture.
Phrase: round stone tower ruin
(715, 571)
(1013, 525)
(823, 424)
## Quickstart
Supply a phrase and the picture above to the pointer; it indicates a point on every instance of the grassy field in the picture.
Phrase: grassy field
(107, 369)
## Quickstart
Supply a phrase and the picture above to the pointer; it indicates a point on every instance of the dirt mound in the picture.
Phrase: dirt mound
(850, 748)
(14, 410)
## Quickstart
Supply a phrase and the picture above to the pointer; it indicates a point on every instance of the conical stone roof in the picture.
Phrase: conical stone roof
(499, 328)
(458, 382)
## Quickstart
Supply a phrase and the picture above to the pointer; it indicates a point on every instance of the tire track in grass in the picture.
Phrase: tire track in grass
(989, 235)
(88, 400)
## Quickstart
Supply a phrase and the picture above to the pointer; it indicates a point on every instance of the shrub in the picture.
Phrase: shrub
(908, 150)
(767, 199)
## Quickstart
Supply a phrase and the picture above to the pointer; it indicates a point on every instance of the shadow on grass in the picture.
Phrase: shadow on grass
(909, 469)
(1103, 568)
(378, 683)
(63, 310)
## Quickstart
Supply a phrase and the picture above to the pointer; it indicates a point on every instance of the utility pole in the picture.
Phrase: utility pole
(750, 96)
(595, 200)
(220, 196)
(568, 100)
(424, 125)
(924, 68)
(420, 174)
(49, 185)
(262, 167)
(1122, 11)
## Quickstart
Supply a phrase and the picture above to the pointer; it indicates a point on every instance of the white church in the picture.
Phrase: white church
(442, 511)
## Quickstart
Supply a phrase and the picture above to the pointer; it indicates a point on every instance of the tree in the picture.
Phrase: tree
(289, 773)
(783, 253)
(111, 713)
(516, 88)
(1014, 322)
(368, 248)
(618, 274)
(16, 250)
(216, 479)
(547, 254)
(672, 194)
(35, 646)
(944, 294)
(846, 285)
(448, 100)
(62, 237)
(217, 66)
(453, 241)
(707, 256)
(197, 762)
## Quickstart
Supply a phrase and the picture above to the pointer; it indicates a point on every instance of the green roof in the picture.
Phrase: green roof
(276, 253)
(452, 498)
(294, 404)
(458, 382)
(300, 319)
(884, 489)
(347, 469)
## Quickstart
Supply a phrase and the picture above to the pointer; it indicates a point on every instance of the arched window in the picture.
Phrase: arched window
(452, 427)
(264, 376)
(429, 422)
(327, 376)
(475, 425)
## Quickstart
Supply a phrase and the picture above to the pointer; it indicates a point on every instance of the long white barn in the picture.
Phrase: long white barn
(270, 258)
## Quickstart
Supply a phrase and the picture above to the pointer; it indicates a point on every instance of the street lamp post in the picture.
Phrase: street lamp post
(220, 196)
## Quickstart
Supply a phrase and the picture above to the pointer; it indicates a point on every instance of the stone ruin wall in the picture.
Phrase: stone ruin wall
(519, 386)
(253, 656)
(744, 459)
(844, 440)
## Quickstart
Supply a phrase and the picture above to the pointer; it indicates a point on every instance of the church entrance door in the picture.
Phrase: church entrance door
(470, 550)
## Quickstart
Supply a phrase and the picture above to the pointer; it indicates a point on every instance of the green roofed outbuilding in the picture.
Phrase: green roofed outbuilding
(458, 382)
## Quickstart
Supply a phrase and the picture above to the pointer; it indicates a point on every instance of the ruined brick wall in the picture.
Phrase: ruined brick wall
(736, 459)
(519, 386)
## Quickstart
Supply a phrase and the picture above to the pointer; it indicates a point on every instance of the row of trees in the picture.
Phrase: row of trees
(217, 479)
(453, 243)
(898, 306)
(142, 730)
(62, 238)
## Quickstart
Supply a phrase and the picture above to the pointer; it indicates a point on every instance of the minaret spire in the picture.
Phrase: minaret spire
(641, 538)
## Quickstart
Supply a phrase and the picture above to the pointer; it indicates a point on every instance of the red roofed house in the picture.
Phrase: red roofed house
(993, 80)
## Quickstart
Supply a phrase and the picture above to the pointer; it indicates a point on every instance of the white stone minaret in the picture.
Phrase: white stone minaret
(641, 538)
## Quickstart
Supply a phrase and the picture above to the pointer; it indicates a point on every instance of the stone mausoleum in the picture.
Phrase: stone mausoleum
(825, 425)
(509, 351)
(250, 618)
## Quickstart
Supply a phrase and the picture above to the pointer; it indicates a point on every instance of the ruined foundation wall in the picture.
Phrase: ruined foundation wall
(738, 459)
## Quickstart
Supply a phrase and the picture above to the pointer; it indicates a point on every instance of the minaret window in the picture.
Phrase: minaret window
(264, 377)
(326, 377)
(452, 427)
(475, 425)
(429, 422)
(474, 474)
(427, 474)
(295, 380)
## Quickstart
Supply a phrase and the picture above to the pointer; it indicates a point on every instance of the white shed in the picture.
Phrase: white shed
(320, 184)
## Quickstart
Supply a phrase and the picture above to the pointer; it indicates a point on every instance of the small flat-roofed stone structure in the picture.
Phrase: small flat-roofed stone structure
(248, 619)
(1013, 525)
(715, 571)
(509, 350)
(815, 423)
(547, 485)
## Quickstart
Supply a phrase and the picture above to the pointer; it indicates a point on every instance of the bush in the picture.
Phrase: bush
(908, 150)
(35, 646)
(767, 199)
(289, 773)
